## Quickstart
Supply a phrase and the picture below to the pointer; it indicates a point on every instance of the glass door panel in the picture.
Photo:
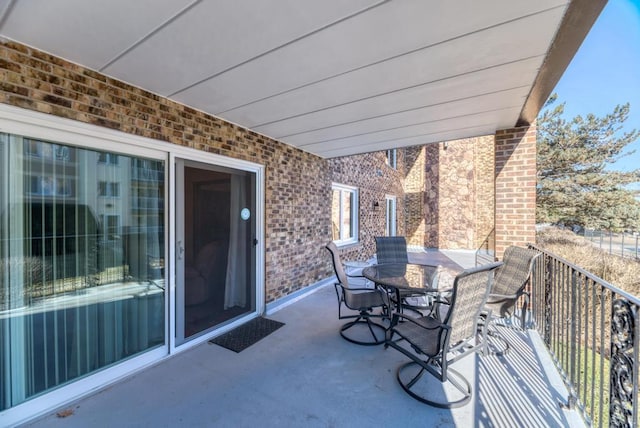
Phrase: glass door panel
(81, 263)
(215, 228)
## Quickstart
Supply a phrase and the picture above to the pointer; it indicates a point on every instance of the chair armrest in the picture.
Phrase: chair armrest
(499, 297)
(355, 276)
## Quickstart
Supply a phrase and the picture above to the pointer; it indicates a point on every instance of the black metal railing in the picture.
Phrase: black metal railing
(486, 253)
(593, 332)
(620, 244)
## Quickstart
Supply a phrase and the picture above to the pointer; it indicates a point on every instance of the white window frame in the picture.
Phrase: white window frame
(390, 228)
(343, 188)
(392, 158)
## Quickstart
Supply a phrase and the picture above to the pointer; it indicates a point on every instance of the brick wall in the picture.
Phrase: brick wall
(297, 183)
(375, 180)
(515, 163)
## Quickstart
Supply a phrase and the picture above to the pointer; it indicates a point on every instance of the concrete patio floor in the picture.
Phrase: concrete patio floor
(306, 375)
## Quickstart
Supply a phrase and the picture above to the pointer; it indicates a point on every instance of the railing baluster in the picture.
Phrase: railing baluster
(636, 373)
(602, 341)
(603, 302)
(547, 300)
(573, 338)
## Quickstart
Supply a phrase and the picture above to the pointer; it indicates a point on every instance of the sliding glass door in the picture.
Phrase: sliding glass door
(216, 246)
(81, 263)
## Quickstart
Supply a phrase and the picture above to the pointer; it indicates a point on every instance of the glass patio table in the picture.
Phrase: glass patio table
(405, 278)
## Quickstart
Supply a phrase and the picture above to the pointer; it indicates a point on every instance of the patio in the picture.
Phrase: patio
(305, 374)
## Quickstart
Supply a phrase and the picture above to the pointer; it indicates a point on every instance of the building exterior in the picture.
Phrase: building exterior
(133, 226)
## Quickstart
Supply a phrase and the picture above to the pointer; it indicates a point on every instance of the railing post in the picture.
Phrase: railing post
(622, 384)
(573, 338)
(610, 242)
(547, 300)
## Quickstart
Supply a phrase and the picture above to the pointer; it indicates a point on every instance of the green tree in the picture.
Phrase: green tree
(575, 187)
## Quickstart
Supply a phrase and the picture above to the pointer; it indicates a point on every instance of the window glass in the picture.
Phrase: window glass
(390, 223)
(391, 158)
(344, 214)
(81, 263)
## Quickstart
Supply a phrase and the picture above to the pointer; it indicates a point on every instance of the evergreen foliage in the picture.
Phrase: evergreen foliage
(574, 185)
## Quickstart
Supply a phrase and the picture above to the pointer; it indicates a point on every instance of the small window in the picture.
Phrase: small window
(110, 226)
(391, 158)
(108, 189)
(108, 158)
(390, 224)
(344, 214)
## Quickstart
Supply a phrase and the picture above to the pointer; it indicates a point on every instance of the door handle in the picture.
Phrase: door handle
(255, 242)
(180, 250)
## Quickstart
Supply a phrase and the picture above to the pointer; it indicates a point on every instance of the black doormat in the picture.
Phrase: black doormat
(247, 334)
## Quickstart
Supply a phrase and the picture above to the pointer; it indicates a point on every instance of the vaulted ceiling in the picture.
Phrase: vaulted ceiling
(331, 77)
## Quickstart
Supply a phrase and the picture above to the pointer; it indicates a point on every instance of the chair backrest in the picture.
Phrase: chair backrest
(470, 290)
(512, 277)
(341, 275)
(391, 249)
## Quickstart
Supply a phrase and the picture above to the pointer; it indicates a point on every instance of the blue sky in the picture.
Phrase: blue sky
(605, 71)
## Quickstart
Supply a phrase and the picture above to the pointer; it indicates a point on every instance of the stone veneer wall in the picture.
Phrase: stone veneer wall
(297, 183)
(485, 189)
(450, 193)
(515, 187)
(375, 180)
(414, 195)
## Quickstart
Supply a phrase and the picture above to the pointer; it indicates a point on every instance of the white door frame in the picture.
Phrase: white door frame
(207, 158)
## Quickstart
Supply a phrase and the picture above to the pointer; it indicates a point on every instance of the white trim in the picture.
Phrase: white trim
(14, 120)
(171, 248)
(39, 406)
(289, 299)
(394, 219)
(391, 158)
(355, 213)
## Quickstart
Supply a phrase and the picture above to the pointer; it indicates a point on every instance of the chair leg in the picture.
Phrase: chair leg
(494, 334)
(453, 377)
(364, 319)
(523, 315)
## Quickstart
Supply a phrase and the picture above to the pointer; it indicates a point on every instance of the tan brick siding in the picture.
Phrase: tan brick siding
(515, 187)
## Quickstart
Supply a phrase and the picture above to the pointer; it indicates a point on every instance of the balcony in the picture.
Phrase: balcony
(305, 374)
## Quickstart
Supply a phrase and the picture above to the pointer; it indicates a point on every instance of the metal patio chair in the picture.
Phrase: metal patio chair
(361, 299)
(434, 344)
(393, 249)
(509, 286)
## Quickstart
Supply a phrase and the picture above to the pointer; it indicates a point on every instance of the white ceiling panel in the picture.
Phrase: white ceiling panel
(215, 36)
(309, 66)
(458, 133)
(451, 109)
(91, 33)
(413, 131)
(508, 76)
(332, 77)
